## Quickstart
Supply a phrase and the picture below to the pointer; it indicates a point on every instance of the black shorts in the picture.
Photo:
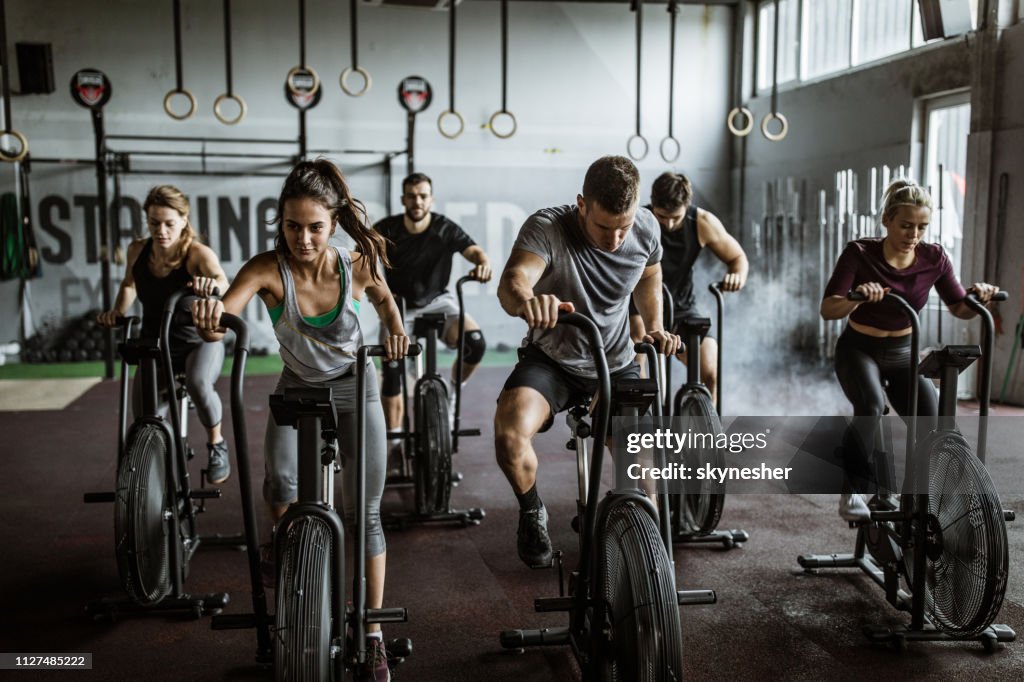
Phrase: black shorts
(560, 388)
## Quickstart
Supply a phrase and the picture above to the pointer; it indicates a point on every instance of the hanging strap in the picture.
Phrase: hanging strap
(503, 112)
(774, 113)
(32, 268)
(670, 147)
(5, 74)
(230, 94)
(179, 88)
(639, 50)
(737, 96)
(450, 112)
(355, 68)
(295, 87)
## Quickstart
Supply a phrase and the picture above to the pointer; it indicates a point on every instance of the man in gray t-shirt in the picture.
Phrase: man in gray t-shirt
(586, 258)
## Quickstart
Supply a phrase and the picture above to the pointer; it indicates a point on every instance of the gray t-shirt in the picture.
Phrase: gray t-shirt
(597, 282)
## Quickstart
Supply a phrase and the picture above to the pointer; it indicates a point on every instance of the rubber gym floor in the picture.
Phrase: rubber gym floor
(461, 586)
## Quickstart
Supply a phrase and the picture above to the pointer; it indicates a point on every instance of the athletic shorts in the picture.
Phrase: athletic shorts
(445, 303)
(559, 387)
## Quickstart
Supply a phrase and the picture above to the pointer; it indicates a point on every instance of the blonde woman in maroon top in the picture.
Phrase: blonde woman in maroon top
(875, 345)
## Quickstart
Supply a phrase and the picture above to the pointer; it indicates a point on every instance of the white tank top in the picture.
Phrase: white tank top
(317, 354)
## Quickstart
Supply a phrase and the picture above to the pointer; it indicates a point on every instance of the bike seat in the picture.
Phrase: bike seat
(135, 350)
(424, 323)
(694, 325)
(294, 403)
(638, 393)
(960, 357)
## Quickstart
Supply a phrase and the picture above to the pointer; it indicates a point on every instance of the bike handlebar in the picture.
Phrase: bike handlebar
(379, 351)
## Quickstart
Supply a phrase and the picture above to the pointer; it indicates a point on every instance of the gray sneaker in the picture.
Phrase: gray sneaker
(532, 539)
(219, 467)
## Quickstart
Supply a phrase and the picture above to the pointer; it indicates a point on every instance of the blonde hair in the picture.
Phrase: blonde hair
(169, 196)
(903, 193)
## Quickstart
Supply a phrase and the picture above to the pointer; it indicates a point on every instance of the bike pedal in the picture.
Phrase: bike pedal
(399, 649)
(206, 493)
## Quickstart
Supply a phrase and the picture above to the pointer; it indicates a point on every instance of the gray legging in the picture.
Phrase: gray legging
(202, 367)
(281, 484)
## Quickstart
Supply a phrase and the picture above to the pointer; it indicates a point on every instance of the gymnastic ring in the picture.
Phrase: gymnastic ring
(349, 70)
(13, 158)
(661, 149)
(290, 81)
(494, 117)
(226, 98)
(731, 121)
(440, 127)
(774, 137)
(191, 104)
(629, 147)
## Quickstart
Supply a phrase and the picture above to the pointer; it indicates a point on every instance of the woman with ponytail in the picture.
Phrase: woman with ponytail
(312, 291)
(875, 346)
(170, 259)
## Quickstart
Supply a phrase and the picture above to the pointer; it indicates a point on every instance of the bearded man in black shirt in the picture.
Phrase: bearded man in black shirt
(421, 246)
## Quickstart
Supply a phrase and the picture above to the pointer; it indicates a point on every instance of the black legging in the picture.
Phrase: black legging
(862, 363)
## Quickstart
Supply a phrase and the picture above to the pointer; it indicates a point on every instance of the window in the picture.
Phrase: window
(822, 37)
(882, 28)
(789, 34)
(826, 28)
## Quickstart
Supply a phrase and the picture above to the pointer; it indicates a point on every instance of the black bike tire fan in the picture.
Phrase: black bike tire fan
(701, 511)
(433, 461)
(636, 586)
(141, 503)
(302, 641)
(968, 563)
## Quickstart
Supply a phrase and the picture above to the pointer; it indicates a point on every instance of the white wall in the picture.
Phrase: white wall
(571, 85)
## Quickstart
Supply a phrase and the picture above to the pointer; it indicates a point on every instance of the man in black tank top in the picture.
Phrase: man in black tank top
(685, 231)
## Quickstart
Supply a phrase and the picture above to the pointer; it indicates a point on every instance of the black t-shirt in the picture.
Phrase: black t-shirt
(421, 264)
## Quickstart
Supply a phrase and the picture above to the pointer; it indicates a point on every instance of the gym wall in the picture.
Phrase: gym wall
(867, 118)
(571, 83)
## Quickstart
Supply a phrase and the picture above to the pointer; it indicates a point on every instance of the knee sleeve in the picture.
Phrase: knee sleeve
(392, 373)
(473, 347)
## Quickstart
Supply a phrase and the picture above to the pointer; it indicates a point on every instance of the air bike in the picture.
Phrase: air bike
(622, 600)
(317, 635)
(155, 506)
(940, 550)
(695, 515)
(428, 448)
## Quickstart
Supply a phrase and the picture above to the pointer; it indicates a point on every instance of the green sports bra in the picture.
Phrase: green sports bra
(317, 320)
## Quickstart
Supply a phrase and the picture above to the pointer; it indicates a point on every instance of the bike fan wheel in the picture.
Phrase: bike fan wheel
(302, 637)
(141, 504)
(433, 463)
(634, 580)
(700, 511)
(967, 556)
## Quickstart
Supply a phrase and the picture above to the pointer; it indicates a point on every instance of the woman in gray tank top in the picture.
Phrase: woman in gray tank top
(312, 291)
